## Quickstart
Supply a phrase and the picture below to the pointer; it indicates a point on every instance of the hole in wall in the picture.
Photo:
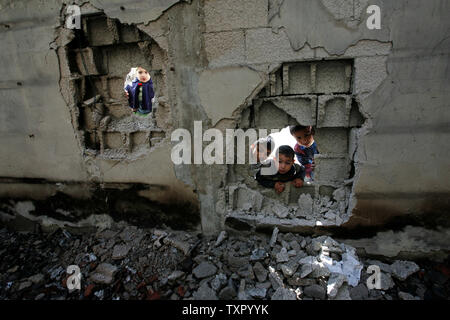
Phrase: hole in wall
(318, 95)
(99, 59)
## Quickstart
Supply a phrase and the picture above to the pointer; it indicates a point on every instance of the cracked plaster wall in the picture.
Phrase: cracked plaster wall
(400, 83)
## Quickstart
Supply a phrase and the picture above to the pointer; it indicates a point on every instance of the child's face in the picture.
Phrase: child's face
(304, 137)
(143, 75)
(284, 163)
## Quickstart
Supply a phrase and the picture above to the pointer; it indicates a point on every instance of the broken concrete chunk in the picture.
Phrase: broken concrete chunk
(359, 292)
(315, 291)
(204, 269)
(258, 254)
(282, 256)
(227, 293)
(273, 239)
(204, 292)
(284, 294)
(403, 269)
(120, 251)
(280, 211)
(175, 275)
(182, 246)
(104, 274)
(222, 236)
(258, 293)
(275, 279)
(91, 101)
(335, 281)
(407, 296)
(219, 281)
(260, 272)
(305, 205)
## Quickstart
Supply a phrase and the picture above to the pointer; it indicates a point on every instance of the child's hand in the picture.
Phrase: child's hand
(297, 182)
(279, 187)
(134, 110)
(126, 93)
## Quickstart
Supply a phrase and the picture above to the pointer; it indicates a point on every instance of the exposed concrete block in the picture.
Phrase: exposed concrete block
(88, 61)
(159, 57)
(99, 31)
(330, 170)
(121, 58)
(118, 110)
(299, 76)
(334, 111)
(129, 33)
(139, 138)
(333, 76)
(271, 117)
(225, 15)
(115, 88)
(263, 45)
(295, 193)
(369, 74)
(332, 141)
(302, 108)
(225, 48)
(113, 140)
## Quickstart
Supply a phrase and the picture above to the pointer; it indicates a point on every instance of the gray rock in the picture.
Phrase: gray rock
(120, 251)
(383, 266)
(296, 280)
(359, 292)
(204, 292)
(258, 293)
(403, 269)
(40, 296)
(335, 281)
(289, 269)
(275, 279)
(219, 282)
(260, 272)
(104, 273)
(222, 236)
(204, 269)
(237, 262)
(315, 291)
(258, 254)
(284, 294)
(386, 281)
(343, 293)
(273, 239)
(227, 293)
(282, 256)
(175, 275)
(295, 245)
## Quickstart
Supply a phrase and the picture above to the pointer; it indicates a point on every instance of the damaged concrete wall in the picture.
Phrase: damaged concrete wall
(379, 99)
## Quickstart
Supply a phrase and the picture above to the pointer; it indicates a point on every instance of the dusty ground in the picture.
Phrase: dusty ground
(126, 262)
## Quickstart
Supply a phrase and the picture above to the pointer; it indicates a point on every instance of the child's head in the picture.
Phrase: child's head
(263, 148)
(142, 74)
(303, 134)
(284, 159)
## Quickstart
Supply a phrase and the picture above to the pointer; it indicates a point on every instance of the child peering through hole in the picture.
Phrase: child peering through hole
(284, 169)
(305, 149)
(139, 90)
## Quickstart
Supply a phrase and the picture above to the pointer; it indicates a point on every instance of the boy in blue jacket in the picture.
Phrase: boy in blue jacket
(140, 93)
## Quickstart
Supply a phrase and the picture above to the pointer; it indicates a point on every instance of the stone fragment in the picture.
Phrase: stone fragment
(120, 251)
(204, 269)
(204, 292)
(284, 294)
(258, 254)
(219, 281)
(275, 279)
(175, 275)
(260, 272)
(282, 256)
(258, 293)
(315, 291)
(407, 296)
(359, 292)
(227, 293)
(335, 281)
(403, 269)
(273, 239)
(104, 273)
(222, 236)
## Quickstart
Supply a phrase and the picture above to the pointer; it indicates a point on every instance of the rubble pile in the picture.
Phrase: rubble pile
(126, 262)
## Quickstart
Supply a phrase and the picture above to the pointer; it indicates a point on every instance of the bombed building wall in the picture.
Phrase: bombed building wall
(377, 98)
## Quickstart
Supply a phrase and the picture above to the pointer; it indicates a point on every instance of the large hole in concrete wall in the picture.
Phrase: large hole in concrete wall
(99, 59)
(319, 94)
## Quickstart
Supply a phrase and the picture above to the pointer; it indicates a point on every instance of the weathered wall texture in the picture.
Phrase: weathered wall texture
(379, 99)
